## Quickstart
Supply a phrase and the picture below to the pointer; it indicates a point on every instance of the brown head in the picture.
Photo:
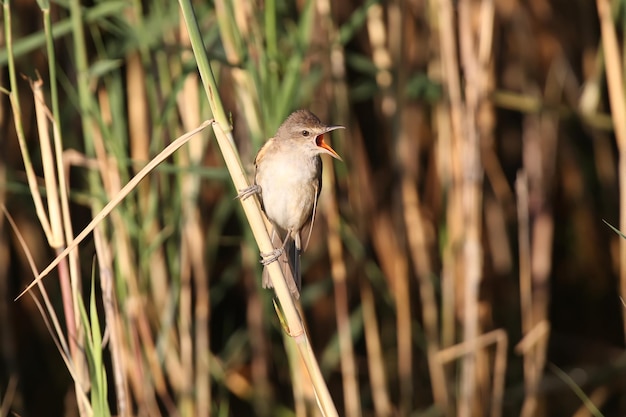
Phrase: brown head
(304, 127)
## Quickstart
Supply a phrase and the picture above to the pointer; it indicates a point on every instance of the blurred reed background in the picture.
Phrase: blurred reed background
(459, 264)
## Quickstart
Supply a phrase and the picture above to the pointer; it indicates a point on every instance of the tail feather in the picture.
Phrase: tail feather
(290, 264)
(294, 256)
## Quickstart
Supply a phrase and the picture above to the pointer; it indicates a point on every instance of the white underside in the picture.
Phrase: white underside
(289, 190)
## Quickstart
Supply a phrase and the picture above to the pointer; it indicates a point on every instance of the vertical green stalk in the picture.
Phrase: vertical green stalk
(270, 29)
(82, 80)
(206, 73)
(8, 35)
(54, 92)
(93, 352)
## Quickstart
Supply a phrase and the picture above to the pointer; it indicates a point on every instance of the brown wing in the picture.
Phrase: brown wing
(257, 159)
(318, 190)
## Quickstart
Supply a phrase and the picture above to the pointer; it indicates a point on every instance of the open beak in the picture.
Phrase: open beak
(319, 141)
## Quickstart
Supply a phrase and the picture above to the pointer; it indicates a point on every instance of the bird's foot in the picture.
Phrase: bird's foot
(247, 192)
(268, 258)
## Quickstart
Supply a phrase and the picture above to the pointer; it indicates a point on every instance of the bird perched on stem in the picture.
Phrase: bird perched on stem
(288, 179)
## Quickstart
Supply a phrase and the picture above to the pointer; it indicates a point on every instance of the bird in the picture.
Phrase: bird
(288, 181)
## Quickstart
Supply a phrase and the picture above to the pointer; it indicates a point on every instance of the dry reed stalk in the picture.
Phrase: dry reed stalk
(138, 118)
(180, 363)
(60, 221)
(496, 177)
(617, 100)
(245, 90)
(483, 116)
(407, 153)
(396, 269)
(375, 362)
(258, 340)
(524, 103)
(466, 189)
(534, 346)
(14, 98)
(8, 345)
(145, 340)
(143, 102)
(129, 363)
(475, 51)
(496, 337)
(598, 397)
(378, 32)
(139, 133)
(111, 205)
(361, 176)
(302, 386)
(57, 335)
(539, 332)
(497, 235)
(113, 321)
(385, 244)
(423, 270)
(189, 105)
(125, 366)
(68, 228)
(456, 215)
(407, 150)
(448, 125)
(525, 282)
(349, 371)
(50, 318)
(193, 264)
(376, 368)
(137, 315)
(9, 396)
(443, 132)
(536, 228)
(55, 238)
(183, 337)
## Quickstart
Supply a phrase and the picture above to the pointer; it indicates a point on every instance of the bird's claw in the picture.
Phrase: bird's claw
(247, 192)
(268, 258)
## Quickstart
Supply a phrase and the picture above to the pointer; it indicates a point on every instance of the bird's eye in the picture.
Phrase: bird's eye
(305, 133)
